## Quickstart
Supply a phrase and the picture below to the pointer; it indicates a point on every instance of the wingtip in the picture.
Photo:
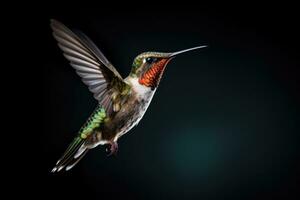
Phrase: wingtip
(53, 20)
(55, 23)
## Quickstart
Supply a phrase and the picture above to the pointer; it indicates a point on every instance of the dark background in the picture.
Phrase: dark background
(224, 123)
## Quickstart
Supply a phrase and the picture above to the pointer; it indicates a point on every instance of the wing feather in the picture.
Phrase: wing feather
(76, 54)
(90, 64)
(72, 45)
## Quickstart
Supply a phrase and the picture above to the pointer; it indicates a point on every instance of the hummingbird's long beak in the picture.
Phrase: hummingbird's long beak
(185, 50)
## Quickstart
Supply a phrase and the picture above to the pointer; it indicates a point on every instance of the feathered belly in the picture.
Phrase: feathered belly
(129, 116)
(135, 117)
(131, 112)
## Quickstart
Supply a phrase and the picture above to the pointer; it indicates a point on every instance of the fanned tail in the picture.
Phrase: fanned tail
(72, 155)
(78, 148)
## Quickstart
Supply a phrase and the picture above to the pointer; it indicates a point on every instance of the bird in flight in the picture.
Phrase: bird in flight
(121, 102)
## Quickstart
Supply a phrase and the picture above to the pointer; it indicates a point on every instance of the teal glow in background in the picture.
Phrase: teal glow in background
(223, 124)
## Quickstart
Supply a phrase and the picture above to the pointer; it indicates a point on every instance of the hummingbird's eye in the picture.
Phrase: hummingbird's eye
(150, 60)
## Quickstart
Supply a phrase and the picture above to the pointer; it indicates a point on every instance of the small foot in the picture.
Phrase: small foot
(113, 148)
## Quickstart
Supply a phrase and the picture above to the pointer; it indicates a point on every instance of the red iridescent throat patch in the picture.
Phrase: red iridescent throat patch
(152, 77)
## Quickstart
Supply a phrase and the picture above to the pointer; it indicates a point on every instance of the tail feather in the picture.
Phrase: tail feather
(72, 155)
(74, 161)
(77, 149)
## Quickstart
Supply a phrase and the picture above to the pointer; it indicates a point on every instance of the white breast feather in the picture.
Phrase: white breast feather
(143, 93)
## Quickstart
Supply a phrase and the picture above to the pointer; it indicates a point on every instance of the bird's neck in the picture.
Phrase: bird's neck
(152, 76)
(141, 91)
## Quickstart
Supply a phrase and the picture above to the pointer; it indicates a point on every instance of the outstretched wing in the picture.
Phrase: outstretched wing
(102, 79)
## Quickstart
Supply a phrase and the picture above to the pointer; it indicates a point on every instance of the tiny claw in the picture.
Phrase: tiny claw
(113, 148)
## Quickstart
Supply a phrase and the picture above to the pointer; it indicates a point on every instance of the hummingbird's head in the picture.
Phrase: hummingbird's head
(148, 67)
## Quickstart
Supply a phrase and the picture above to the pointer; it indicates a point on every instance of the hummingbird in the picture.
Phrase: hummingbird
(121, 102)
